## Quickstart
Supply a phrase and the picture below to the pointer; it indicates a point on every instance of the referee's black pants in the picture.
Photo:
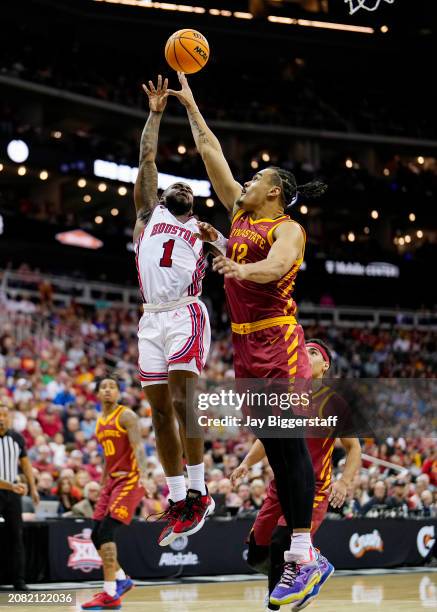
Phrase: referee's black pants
(10, 509)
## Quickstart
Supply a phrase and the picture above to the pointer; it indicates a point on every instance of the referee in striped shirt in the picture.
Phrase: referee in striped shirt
(12, 456)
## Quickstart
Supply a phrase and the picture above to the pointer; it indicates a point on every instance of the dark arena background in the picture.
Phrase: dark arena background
(341, 91)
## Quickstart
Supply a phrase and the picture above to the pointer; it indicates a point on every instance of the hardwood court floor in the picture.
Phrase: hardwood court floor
(388, 592)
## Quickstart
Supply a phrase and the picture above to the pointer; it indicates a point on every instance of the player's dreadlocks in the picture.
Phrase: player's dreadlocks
(290, 189)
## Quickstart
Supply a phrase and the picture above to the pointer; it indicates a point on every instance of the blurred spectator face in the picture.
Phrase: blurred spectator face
(92, 491)
(379, 490)
(207, 460)
(216, 475)
(73, 424)
(64, 486)
(80, 438)
(82, 478)
(257, 488)
(4, 419)
(224, 486)
(76, 459)
(426, 498)
(400, 490)
(67, 473)
(212, 487)
(45, 481)
(44, 453)
(58, 438)
(422, 483)
(244, 492)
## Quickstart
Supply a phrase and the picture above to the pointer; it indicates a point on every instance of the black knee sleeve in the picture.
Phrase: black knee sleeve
(107, 530)
(258, 556)
(95, 534)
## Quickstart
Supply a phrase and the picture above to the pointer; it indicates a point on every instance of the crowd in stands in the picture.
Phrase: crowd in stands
(50, 359)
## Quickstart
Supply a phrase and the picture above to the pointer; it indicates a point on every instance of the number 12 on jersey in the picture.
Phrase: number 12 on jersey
(166, 260)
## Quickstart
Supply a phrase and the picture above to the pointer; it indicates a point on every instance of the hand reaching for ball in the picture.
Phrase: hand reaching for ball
(184, 95)
(157, 96)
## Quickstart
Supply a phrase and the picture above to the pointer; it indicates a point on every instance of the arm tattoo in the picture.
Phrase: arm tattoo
(129, 421)
(199, 134)
(149, 137)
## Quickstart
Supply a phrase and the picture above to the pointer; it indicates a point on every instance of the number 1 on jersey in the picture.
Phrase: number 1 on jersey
(166, 260)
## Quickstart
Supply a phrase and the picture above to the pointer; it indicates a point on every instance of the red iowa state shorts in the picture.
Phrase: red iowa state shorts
(275, 352)
(270, 515)
(119, 499)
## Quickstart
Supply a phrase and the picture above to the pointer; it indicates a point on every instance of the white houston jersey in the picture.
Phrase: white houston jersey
(169, 258)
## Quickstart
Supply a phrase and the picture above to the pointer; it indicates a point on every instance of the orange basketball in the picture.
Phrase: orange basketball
(187, 51)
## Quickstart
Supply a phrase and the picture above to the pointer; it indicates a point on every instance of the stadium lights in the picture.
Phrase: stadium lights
(254, 164)
(98, 219)
(1, 167)
(349, 163)
(407, 238)
(87, 198)
(421, 160)
(57, 134)
(367, 231)
(374, 214)
(128, 174)
(401, 241)
(18, 151)
(182, 149)
(114, 212)
(351, 237)
(304, 209)
(210, 202)
(22, 170)
(384, 29)
(102, 187)
(81, 183)
(386, 172)
(184, 8)
(122, 191)
(265, 156)
(412, 217)
(419, 234)
(43, 175)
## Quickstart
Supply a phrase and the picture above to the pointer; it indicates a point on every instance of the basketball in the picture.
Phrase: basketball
(187, 51)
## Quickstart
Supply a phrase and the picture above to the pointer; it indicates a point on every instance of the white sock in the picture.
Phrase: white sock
(176, 485)
(109, 587)
(120, 575)
(196, 477)
(301, 549)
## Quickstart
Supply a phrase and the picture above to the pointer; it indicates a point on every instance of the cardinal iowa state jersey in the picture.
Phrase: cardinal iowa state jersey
(250, 241)
(117, 449)
(169, 258)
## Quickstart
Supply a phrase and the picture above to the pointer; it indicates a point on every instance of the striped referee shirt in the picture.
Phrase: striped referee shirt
(12, 449)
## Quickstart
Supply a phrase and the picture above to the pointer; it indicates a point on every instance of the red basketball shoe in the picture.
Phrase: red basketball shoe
(197, 508)
(171, 515)
(103, 601)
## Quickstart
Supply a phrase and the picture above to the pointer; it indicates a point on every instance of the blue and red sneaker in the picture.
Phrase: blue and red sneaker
(103, 601)
(197, 508)
(123, 586)
(297, 580)
(327, 569)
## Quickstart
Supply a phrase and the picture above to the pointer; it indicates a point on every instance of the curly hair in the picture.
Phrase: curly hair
(289, 187)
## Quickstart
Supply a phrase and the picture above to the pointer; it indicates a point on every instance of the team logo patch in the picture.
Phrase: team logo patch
(122, 512)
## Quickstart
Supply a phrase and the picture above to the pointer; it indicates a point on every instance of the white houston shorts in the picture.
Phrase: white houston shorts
(176, 339)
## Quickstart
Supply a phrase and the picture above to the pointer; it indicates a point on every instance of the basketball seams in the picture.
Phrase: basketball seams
(189, 53)
(202, 44)
(175, 55)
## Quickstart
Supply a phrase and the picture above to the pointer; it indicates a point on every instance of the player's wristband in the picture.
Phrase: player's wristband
(221, 243)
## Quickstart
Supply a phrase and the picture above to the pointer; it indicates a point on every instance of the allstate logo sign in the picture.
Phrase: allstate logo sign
(360, 544)
(426, 540)
(178, 557)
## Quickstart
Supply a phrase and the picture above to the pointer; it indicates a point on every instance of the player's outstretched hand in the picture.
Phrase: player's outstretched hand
(227, 267)
(157, 95)
(207, 233)
(240, 472)
(337, 493)
(184, 95)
